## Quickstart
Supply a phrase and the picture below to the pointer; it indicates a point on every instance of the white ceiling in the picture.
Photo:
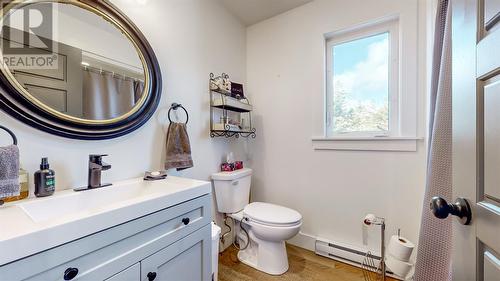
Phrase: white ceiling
(253, 11)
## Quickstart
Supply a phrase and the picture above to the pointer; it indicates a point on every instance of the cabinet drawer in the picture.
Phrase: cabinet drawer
(103, 254)
(132, 273)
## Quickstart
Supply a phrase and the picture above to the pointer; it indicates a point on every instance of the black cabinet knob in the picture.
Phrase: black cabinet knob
(185, 221)
(461, 208)
(70, 273)
(151, 276)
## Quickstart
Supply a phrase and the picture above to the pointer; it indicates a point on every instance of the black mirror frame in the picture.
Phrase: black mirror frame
(18, 106)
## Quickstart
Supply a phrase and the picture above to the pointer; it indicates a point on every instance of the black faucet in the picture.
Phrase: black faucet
(96, 166)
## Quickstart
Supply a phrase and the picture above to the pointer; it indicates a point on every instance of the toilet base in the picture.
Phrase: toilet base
(266, 256)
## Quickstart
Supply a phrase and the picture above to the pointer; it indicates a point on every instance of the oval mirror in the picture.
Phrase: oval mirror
(78, 69)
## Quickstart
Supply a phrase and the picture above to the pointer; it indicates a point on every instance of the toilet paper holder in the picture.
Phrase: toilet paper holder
(371, 272)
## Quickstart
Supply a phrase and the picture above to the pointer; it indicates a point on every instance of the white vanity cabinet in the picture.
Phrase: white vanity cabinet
(169, 244)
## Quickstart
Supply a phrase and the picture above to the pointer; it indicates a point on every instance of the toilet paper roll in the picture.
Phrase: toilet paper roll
(400, 248)
(369, 219)
(400, 268)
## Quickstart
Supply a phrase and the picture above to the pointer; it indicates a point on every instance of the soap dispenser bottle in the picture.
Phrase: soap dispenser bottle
(45, 181)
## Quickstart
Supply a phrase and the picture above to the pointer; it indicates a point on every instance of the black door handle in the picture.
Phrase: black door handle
(185, 221)
(461, 208)
(70, 273)
(151, 276)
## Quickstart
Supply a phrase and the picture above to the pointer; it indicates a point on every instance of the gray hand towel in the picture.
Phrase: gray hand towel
(9, 171)
(178, 147)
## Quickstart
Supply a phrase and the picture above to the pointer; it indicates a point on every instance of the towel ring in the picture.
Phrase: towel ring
(175, 106)
(14, 139)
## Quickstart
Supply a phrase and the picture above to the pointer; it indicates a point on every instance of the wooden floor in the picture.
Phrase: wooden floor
(304, 266)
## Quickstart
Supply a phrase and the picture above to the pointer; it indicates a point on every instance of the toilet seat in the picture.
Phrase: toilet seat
(272, 215)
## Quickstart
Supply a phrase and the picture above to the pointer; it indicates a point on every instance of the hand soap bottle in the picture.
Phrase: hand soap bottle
(45, 181)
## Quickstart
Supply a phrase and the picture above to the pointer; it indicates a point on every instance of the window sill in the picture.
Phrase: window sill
(366, 143)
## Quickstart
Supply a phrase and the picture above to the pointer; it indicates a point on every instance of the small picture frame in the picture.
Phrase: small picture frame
(237, 90)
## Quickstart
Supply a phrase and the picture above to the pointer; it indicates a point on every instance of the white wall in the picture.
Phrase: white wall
(332, 189)
(191, 38)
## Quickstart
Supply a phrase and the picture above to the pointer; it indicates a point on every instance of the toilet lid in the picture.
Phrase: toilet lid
(271, 214)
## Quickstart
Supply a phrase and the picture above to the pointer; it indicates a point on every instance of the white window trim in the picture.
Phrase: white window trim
(366, 143)
(405, 136)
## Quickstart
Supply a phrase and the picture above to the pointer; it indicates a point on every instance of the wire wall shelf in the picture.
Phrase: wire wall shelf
(222, 103)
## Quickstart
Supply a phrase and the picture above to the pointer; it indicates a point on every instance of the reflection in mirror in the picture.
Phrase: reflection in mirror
(97, 73)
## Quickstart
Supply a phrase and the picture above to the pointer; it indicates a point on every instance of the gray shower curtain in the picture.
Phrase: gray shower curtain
(106, 96)
(435, 240)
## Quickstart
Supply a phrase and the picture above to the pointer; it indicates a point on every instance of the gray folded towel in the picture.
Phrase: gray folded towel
(9, 171)
(178, 147)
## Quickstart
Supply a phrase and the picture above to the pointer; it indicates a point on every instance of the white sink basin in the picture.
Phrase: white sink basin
(34, 225)
(88, 201)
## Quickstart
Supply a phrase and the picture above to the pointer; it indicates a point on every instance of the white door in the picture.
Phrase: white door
(476, 133)
(59, 88)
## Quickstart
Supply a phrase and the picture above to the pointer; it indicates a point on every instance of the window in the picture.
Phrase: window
(362, 82)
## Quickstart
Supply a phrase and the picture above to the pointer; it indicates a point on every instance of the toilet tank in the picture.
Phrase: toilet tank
(232, 190)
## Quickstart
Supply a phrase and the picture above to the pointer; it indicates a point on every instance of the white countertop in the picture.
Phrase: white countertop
(27, 228)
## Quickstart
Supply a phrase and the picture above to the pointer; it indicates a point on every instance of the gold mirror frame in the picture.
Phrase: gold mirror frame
(22, 105)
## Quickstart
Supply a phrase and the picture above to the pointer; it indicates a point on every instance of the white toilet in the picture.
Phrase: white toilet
(268, 225)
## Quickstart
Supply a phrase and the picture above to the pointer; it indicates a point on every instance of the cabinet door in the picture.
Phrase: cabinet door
(186, 260)
(132, 273)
